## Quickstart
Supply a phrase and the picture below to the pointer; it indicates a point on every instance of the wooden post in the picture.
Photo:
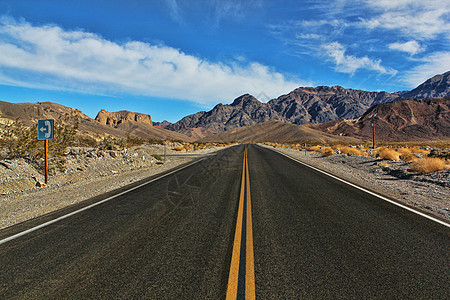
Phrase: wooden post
(373, 131)
(46, 161)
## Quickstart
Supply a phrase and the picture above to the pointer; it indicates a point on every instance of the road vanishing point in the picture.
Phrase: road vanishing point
(245, 223)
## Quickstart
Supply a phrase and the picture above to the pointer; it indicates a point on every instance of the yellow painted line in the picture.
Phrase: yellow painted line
(233, 278)
(249, 264)
(234, 268)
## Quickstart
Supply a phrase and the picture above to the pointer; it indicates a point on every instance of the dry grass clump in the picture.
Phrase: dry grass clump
(178, 148)
(419, 151)
(314, 148)
(387, 153)
(327, 151)
(404, 151)
(408, 157)
(428, 165)
(349, 150)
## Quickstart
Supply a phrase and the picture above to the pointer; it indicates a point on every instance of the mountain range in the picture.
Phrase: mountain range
(327, 111)
(305, 105)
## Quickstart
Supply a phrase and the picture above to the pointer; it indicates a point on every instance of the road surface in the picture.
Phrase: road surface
(302, 234)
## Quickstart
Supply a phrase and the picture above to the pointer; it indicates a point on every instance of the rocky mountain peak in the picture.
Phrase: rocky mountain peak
(244, 100)
(436, 86)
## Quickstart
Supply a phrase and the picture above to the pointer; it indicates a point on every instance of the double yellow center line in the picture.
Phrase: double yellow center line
(241, 281)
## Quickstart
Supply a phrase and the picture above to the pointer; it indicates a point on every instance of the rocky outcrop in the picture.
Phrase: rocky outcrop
(120, 118)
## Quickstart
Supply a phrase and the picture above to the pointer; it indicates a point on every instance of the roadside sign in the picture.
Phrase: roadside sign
(45, 129)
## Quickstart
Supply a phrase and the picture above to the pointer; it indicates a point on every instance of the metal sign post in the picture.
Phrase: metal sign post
(45, 132)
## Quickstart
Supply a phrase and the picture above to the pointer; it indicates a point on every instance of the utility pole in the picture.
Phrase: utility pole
(373, 131)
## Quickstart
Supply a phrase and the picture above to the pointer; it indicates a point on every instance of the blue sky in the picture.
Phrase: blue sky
(171, 58)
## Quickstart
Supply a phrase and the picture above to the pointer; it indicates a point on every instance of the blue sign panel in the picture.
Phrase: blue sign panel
(45, 129)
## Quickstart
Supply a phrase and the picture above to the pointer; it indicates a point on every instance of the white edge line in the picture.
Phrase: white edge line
(92, 205)
(367, 191)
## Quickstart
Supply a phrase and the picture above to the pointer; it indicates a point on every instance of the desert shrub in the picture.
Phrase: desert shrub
(20, 141)
(419, 151)
(85, 141)
(404, 150)
(327, 151)
(348, 150)
(178, 148)
(389, 154)
(408, 157)
(112, 143)
(157, 157)
(428, 165)
(313, 148)
(134, 141)
(155, 141)
(440, 154)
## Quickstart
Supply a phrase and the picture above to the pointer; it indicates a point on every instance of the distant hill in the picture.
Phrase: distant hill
(141, 125)
(29, 113)
(400, 120)
(276, 131)
(305, 105)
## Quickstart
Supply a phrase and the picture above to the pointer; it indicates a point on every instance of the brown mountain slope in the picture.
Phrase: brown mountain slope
(137, 124)
(28, 113)
(401, 120)
(276, 131)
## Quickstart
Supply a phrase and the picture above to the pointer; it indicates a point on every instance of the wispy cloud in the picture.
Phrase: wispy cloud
(234, 10)
(436, 63)
(174, 10)
(414, 18)
(411, 47)
(349, 63)
(51, 57)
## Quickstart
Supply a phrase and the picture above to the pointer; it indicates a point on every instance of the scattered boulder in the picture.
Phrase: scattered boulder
(101, 153)
(40, 184)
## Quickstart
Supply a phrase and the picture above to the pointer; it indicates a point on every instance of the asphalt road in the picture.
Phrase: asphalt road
(313, 238)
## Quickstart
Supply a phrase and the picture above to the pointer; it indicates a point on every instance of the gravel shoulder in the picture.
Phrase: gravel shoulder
(429, 193)
(89, 173)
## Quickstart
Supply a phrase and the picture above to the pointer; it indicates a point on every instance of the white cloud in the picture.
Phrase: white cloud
(349, 63)
(411, 47)
(434, 64)
(51, 57)
(415, 18)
